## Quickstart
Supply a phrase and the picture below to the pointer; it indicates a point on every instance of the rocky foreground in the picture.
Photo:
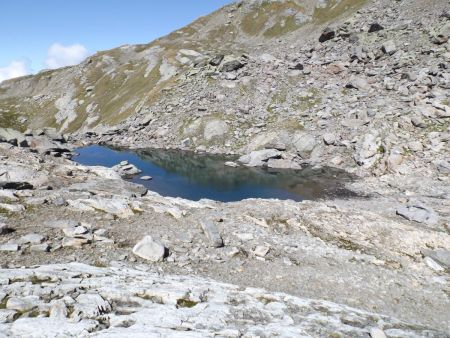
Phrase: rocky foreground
(124, 260)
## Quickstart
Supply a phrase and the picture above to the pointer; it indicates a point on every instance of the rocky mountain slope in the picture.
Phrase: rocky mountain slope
(112, 85)
(258, 73)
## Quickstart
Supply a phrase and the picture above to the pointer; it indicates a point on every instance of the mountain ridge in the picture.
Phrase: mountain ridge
(163, 52)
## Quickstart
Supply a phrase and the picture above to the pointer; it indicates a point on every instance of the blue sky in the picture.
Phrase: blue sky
(37, 34)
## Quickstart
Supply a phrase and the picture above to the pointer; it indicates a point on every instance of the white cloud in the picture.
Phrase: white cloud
(60, 55)
(15, 69)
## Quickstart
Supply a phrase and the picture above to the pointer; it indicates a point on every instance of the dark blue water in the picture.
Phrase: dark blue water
(195, 176)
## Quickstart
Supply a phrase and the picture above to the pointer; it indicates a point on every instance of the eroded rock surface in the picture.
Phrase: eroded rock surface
(80, 300)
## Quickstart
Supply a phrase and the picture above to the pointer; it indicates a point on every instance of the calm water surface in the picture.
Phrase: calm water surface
(196, 176)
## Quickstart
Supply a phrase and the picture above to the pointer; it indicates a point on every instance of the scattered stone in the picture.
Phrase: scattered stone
(418, 122)
(5, 229)
(327, 34)
(31, 239)
(61, 224)
(375, 27)
(415, 146)
(329, 139)
(74, 242)
(75, 231)
(389, 47)
(146, 178)
(44, 247)
(367, 150)
(261, 251)
(212, 233)
(15, 185)
(217, 60)
(9, 247)
(149, 249)
(231, 65)
(358, 83)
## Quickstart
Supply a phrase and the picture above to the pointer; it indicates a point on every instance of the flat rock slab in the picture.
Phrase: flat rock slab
(418, 213)
(116, 187)
(153, 305)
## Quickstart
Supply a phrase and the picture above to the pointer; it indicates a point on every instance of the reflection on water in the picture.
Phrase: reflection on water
(195, 176)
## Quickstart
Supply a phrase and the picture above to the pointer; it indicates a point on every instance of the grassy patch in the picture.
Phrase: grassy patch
(255, 22)
(335, 9)
(282, 27)
(3, 303)
(307, 102)
(185, 303)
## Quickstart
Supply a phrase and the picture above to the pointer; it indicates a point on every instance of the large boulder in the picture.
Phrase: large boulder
(44, 145)
(18, 177)
(215, 129)
(259, 158)
(327, 34)
(13, 137)
(304, 144)
(231, 63)
(149, 249)
(126, 170)
(54, 135)
(368, 150)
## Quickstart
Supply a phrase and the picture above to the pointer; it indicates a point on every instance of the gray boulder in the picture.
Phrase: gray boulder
(259, 158)
(212, 232)
(231, 64)
(327, 34)
(150, 249)
(359, 83)
(126, 170)
(44, 145)
(389, 47)
(215, 128)
(304, 144)
(13, 137)
(54, 135)
(367, 150)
